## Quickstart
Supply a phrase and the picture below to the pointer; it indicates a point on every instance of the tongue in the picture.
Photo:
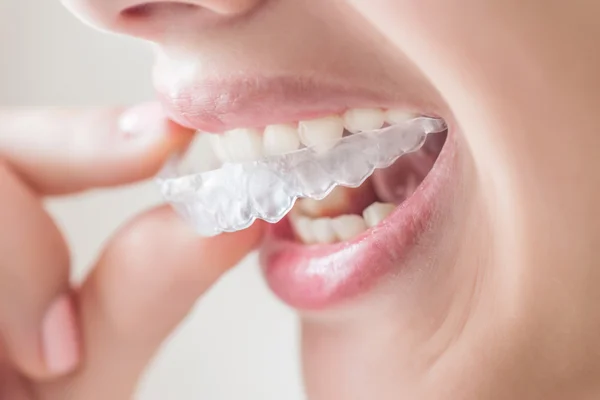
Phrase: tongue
(397, 182)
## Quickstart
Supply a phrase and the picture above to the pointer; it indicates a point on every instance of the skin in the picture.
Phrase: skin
(500, 299)
(532, 322)
(146, 279)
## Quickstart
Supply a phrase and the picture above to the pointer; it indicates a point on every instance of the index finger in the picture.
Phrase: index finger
(61, 151)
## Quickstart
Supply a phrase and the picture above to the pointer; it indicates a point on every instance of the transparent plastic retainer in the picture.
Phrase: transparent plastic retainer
(232, 197)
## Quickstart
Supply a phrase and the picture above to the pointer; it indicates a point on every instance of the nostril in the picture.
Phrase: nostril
(160, 8)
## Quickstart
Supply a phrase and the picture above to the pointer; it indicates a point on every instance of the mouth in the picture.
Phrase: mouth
(327, 251)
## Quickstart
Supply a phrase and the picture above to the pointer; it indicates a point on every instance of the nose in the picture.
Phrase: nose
(152, 19)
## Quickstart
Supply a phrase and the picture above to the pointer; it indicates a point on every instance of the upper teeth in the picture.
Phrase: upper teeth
(397, 116)
(322, 132)
(219, 146)
(364, 119)
(280, 139)
(200, 156)
(245, 144)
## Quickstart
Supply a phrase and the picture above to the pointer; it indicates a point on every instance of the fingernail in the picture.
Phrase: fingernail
(60, 336)
(143, 122)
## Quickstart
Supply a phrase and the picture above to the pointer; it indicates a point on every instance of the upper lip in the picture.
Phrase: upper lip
(218, 105)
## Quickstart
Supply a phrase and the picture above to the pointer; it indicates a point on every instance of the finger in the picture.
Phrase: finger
(60, 151)
(12, 384)
(34, 288)
(67, 150)
(146, 281)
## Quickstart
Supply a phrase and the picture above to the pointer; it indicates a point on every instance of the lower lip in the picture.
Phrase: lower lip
(321, 276)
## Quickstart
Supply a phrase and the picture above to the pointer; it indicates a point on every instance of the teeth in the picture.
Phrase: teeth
(338, 199)
(377, 212)
(322, 230)
(280, 139)
(199, 156)
(219, 147)
(352, 200)
(397, 116)
(240, 145)
(321, 132)
(243, 144)
(347, 227)
(363, 119)
(303, 229)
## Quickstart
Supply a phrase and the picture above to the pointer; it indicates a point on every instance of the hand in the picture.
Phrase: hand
(93, 342)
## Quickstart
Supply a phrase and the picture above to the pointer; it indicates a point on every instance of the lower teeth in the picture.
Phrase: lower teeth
(342, 228)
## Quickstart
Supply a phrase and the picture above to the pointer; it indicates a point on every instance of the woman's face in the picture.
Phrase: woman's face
(439, 296)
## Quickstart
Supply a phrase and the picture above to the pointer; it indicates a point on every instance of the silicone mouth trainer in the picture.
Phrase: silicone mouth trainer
(232, 197)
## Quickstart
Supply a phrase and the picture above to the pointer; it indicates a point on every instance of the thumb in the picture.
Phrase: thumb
(145, 283)
(60, 151)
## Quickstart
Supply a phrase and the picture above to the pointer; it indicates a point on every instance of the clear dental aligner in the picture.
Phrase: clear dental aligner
(232, 197)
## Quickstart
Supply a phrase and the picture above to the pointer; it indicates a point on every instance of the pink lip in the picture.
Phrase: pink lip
(219, 105)
(317, 277)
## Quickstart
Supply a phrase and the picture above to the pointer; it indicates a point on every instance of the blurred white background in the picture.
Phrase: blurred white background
(239, 343)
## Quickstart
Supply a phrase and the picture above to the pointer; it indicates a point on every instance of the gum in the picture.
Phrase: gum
(232, 197)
